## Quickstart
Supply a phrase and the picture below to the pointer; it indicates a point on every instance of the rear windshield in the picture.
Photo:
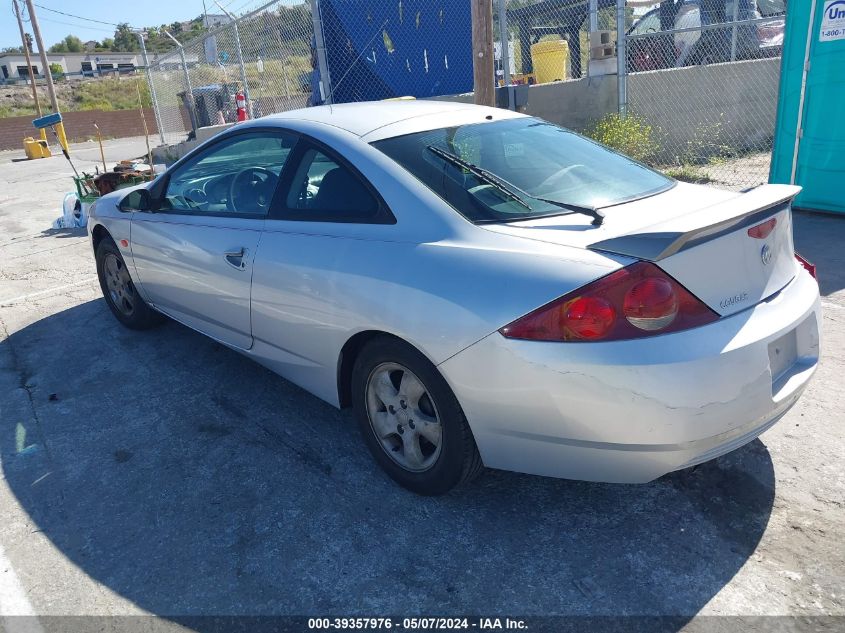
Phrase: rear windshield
(532, 158)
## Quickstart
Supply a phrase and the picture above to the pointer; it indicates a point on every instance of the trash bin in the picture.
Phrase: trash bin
(550, 60)
(210, 101)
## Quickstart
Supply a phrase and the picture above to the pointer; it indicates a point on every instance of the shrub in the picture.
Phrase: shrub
(629, 135)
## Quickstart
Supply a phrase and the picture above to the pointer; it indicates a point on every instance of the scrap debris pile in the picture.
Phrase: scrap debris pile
(89, 187)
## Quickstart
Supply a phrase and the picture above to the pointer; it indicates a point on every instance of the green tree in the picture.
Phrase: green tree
(125, 41)
(71, 44)
(57, 71)
(107, 44)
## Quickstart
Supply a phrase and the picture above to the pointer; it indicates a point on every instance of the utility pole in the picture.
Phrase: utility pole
(51, 89)
(29, 66)
(483, 71)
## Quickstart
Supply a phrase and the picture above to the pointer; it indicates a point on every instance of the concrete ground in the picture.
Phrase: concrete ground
(159, 472)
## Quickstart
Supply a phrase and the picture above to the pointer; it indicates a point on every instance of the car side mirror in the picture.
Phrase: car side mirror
(136, 200)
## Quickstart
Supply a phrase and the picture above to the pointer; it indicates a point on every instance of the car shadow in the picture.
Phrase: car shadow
(819, 238)
(191, 481)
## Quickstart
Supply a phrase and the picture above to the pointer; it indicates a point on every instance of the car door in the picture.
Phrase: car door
(194, 251)
(323, 233)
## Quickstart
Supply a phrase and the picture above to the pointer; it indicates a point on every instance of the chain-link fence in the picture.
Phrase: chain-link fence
(549, 40)
(702, 87)
(698, 94)
(267, 53)
(360, 51)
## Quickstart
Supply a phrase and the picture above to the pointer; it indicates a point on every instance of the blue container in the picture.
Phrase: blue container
(812, 154)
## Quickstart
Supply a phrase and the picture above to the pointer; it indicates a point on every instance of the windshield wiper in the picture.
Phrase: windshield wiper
(481, 174)
(511, 190)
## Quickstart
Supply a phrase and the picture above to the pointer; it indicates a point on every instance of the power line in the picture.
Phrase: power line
(71, 15)
(78, 26)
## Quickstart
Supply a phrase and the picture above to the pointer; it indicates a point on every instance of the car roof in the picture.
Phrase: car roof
(383, 119)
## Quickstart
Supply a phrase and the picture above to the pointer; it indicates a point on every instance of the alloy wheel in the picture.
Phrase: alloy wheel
(121, 291)
(403, 417)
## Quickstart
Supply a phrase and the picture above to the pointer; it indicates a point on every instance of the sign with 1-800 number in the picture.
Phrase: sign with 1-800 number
(833, 21)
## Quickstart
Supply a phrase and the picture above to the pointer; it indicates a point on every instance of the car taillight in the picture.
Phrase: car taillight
(810, 268)
(637, 301)
(761, 231)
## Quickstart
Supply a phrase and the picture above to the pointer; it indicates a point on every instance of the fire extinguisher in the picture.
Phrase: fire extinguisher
(240, 101)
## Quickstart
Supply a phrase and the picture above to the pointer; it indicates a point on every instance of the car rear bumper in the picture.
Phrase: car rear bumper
(632, 411)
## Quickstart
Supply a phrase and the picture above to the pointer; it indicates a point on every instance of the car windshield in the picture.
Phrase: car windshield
(520, 169)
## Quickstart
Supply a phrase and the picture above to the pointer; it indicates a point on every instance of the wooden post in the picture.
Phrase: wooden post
(482, 52)
(48, 76)
(29, 66)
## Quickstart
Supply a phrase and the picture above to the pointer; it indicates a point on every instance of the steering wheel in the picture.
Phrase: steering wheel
(251, 188)
(550, 183)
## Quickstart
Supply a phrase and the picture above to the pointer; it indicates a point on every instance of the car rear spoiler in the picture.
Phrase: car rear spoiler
(662, 240)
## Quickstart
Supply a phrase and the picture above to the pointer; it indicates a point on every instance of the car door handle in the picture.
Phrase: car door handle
(236, 258)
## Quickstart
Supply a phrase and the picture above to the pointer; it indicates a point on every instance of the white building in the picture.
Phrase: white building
(213, 20)
(90, 64)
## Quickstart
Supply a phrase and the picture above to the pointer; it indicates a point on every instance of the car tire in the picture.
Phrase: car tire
(119, 290)
(392, 384)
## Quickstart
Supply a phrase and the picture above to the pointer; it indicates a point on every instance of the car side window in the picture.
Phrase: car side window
(237, 176)
(323, 189)
(649, 23)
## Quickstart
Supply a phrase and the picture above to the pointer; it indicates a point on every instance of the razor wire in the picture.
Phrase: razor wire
(702, 87)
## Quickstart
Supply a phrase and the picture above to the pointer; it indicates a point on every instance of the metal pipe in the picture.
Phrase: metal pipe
(322, 60)
(703, 27)
(149, 74)
(621, 60)
(191, 109)
(504, 42)
(733, 30)
(594, 16)
(799, 124)
(240, 58)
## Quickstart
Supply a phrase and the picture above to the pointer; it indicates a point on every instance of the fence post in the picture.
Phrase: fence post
(191, 112)
(149, 73)
(322, 61)
(504, 43)
(621, 59)
(240, 58)
(733, 30)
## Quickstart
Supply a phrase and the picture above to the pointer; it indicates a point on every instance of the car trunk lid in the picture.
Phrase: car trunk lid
(699, 235)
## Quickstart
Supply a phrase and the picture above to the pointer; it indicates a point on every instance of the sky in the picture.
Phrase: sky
(138, 13)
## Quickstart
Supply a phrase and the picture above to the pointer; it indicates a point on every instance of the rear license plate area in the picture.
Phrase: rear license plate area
(783, 353)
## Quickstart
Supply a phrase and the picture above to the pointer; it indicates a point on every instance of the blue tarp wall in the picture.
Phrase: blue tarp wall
(377, 49)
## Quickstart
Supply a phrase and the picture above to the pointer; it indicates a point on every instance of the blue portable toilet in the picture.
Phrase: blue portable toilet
(809, 144)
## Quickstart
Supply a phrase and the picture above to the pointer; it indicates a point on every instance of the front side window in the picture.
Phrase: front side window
(237, 176)
(519, 169)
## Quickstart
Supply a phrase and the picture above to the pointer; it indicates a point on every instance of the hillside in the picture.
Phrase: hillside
(87, 94)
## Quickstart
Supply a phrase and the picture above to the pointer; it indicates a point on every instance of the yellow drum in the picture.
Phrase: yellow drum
(550, 60)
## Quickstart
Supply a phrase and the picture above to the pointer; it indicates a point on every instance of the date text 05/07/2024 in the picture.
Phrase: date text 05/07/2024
(417, 624)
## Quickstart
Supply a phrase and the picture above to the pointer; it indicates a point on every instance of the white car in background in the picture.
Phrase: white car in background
(482, 287)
